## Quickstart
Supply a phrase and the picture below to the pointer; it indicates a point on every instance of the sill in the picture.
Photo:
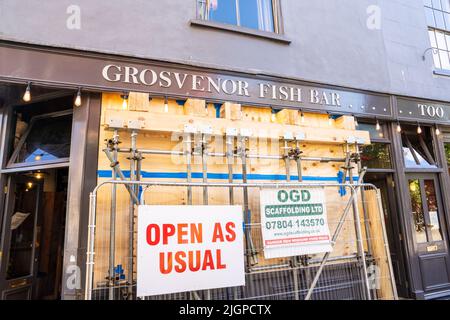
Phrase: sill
(441, 72)
(242, 30)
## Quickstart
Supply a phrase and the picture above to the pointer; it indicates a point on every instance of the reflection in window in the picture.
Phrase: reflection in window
(376, 156)
(418, 148)
(22, 230)
(430, 193)
(47, 139)
(372, 129)
(447, 154)
(254, 14)
(417, 211)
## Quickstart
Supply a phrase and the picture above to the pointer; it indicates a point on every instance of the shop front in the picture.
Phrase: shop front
(72, 121)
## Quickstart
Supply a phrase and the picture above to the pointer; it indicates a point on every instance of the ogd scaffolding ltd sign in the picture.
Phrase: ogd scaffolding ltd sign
(294, 222)
(188, 248)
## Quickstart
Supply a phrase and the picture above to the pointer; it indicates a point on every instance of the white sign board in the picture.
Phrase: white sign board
(188, 248)
(294, 222)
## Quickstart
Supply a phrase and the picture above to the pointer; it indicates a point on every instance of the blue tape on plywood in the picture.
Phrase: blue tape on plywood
(222, 176)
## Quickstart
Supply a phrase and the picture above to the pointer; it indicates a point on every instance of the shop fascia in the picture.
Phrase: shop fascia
(227, 86)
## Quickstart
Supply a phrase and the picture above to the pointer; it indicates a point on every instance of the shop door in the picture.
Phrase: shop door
(384, 182)
(429, 232)
(19, 242)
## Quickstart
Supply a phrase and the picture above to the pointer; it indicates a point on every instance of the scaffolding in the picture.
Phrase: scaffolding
(328, 276)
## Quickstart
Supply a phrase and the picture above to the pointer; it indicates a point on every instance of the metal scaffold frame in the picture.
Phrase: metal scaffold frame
(196, 145)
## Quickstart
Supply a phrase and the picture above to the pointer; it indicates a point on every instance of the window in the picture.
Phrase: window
(418, 148)
(447, 150)
(377, 155)
(253, 14)
(437, 13)
(46, 139)
(425, 211)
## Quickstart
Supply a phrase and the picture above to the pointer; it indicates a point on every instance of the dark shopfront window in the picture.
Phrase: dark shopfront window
(41, 138)
(418, 151)
(447, 150)
(253, 14)
(377, 155)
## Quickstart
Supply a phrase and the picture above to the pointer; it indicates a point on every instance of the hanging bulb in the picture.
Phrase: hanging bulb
(273, 117)
(330, 120)
(356, 122)
(27, 94)
(438, 132)
(77, 101)
(302, 117)
(125, 101)
(399, 128)
(419, 129)
(378, 127)
(166, 105)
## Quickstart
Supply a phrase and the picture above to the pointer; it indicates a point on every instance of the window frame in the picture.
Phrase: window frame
(276, 15)
(380, 140)
(11, 165)
(435, 28)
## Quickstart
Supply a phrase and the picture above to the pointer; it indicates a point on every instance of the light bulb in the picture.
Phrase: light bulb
(399, 128)
(330, 120)
(378, 127)
(438, 132)
(302, 118)
(38, 175)
(30, 185)
(27, 94)
(124, 101)
(166, 106)
(77, 101)
(419, 129)
(273, 118)
(356, 122)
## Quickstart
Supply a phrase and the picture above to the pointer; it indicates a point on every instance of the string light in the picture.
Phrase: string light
(419, 129)
(124, 101)
(27, 94)
(166, 105)
(399, 128)
(77, 101)
(274, 117)
(378, 127)
(438, 132)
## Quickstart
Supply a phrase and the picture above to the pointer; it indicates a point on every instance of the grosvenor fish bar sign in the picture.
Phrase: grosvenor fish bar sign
(217, 84)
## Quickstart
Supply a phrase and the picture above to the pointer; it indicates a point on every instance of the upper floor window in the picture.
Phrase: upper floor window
(438, 19)
(253, 14)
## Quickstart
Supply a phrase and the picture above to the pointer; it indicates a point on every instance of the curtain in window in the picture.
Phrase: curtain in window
(265, 15)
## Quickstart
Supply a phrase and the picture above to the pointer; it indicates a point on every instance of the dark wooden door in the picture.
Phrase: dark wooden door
(384, 182)
(429, 232)
(19, 242)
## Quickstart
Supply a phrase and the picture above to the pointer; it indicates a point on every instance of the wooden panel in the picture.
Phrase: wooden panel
(163, 131)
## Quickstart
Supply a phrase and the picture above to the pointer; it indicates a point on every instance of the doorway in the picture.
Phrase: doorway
(33, 238)
(427, 218)
(385, 183)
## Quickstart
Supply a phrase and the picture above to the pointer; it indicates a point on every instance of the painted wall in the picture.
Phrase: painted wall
(331, 42)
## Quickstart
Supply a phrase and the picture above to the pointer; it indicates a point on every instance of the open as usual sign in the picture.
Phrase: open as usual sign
(188, 248)
(294, 222)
